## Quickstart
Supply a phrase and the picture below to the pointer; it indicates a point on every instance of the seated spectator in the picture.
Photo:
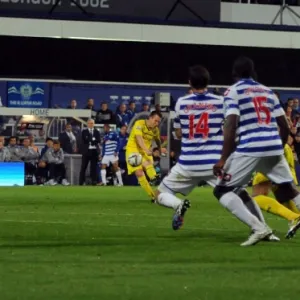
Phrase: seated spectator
(4, 153)
(68, 140)
(43, 168)
(90, 105)
(49, 144)
(145, 107)
(14, 149)
(131, 110)
(31, 139)
(30, 157)
(54, 157)
(105, 115)
(122, 117)
(73, 104)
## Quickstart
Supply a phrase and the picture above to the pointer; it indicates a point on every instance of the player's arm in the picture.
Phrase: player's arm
(232, 116)
(176, 125)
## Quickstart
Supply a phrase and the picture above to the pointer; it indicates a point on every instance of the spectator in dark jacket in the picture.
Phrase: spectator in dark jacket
(105, 115)
(131, 110)
(49, 144)
(68, 140)
(122, 118)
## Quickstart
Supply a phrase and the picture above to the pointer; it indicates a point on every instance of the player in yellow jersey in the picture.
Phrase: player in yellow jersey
(283, 206)
(140, 140)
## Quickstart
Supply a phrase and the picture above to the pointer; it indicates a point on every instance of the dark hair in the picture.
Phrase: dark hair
(56, 142)
(155, 149)
(277, 94)
(131, 102)
(290, 99)
(198, 77)
(12, 137)
(155, 113)
(104, 102)
(145, 103)
(243, 67)
(49, 139)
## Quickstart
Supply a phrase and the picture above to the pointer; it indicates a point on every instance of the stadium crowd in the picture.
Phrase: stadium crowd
(46, 166)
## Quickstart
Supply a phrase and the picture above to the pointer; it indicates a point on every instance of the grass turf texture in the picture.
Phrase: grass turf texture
(111, 243)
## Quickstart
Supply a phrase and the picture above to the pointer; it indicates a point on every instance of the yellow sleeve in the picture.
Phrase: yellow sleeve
(157, 135)
(288, 153)
(137, 128)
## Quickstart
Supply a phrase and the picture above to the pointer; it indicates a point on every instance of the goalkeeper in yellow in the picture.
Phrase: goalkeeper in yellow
(140, 140)
(283, 206)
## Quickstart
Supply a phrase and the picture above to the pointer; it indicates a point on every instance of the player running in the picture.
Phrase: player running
(282, 206)
(198, 123)
(140, 140)
(110, 154)
(253, 113)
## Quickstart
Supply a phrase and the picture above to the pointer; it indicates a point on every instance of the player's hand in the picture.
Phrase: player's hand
(218, 168)
(148, 152)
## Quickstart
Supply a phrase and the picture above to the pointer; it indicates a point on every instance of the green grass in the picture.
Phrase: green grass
(111, 243)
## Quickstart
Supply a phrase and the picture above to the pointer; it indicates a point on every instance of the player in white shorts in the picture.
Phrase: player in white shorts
(110, 152)
(198, 123)
(253, 114)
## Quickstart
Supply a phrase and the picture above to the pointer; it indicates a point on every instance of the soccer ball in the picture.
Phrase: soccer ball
(135, 159)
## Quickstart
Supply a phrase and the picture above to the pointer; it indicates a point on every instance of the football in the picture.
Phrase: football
(135, 159)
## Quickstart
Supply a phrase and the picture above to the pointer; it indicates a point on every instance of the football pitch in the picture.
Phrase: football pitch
(111, 243)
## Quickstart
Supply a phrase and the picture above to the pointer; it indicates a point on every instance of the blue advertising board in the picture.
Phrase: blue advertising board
(27, 94)
(62, 94)
(12, 174)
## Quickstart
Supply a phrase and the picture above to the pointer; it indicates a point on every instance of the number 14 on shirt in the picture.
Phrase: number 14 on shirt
(199, 127)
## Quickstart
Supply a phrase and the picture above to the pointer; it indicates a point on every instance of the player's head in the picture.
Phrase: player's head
(154, 119)
(243, 67)
(56, 145)
(198, 77)
(106, 128)
(26, 142)
(49, 142)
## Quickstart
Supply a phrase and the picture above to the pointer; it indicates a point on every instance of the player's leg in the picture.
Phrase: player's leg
(117, 171)
(149, 168)
(175, 182)
(237, 173)
(104, 164)
(277, 170)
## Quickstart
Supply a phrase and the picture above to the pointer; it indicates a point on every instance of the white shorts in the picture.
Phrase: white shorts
(107, 159)
(239, 168)
(183, 182)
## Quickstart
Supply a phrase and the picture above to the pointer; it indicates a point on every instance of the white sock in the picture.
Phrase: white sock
(119, 176)
(168, 200)
(235, 205)
(103, 176)
(259, 212)
(297, 201)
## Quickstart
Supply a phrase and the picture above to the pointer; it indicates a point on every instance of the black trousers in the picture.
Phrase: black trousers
(57, 172)
(30, 170)
(90, 157)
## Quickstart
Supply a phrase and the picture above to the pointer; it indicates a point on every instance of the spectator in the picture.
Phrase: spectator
(122, 117)
(90, 105)
(2, 139)
(4, 153)
(123, 139)
(30, 157)
(295, 111)
(14, 149)
(105, 115)
(73, 104)
(156, 164)
(31, 140)
(131, 110)
(145, 107)
(90, 151)
(68, 140)
(49, 144)
(54, 157)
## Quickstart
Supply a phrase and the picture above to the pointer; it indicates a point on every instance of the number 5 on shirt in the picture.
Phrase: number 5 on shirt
(201, 126)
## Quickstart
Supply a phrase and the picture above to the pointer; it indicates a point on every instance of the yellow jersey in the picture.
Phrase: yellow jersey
(148, 134)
